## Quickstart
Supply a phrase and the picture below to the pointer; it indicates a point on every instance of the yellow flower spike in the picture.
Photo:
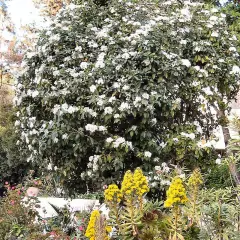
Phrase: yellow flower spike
(194, 183)
(176, 194)
(90, 232)
(134, 183)
(127, 183)
(113, 194)
(141, 183)
(195, 179)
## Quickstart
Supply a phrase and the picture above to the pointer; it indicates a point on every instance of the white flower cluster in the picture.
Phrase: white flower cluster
(160, 176)
(147, 154)
(137, 102)
(90, 111)
(175, 140)
(163, 144)
(32, 93)
(93, 162)
(186, 62)
(93, 88)
(207, 91)
(235, 70)
(100, 61)
(124, 106)
(84, 65)
(108, 110)
(64, 108)
(219, 160)
(188, 135)
(93, 128)
(119, 141)
(164, 168)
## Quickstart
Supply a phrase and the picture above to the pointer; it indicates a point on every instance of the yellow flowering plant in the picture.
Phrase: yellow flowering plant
(90, 232)
(113, 197)
(97, 228)
(176, 196)
(141, 185)
(101, 229)
(113, 194)
(134, 184)
(127, 218)
(131, 217)
(140, 182)
(176, 219)
(194, 182)
(128, 186)
(196, 179)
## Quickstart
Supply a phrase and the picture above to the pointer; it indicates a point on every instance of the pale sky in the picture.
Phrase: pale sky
(23, 12)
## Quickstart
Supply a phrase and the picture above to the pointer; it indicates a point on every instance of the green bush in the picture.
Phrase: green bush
(13, 168)
(16, 219)
(132, 84)
(19, 218)
(219, 177)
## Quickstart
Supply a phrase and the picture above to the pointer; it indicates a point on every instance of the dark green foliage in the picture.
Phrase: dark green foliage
(218, 177)
(12, 168)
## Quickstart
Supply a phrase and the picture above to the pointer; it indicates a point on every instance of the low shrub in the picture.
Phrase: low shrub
(188, 212)
(19, 218)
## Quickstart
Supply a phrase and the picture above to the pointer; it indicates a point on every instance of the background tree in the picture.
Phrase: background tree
(232, 10)
(12, 168)
(132, 84)
(6, 30)
(50, 7)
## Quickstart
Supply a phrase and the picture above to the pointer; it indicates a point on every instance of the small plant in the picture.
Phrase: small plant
(194, 183)
(220, 214)
(176, 197)
(31, 181)
(97, 228)
(63, 221)
(235, 123)
(18, 214)
(19, 218)
(82, 220)
(130, 216)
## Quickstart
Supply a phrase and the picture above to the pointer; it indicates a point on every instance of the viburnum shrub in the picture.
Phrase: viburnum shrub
(127, 85)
